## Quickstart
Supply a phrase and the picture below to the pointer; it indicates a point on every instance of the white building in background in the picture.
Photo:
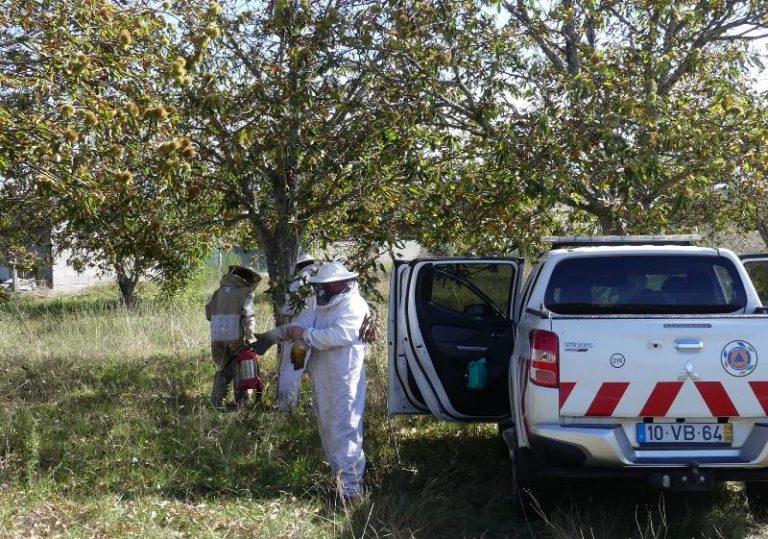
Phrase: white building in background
(66, 279)
(60, 277)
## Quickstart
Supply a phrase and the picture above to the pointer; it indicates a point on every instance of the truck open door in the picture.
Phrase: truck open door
(757, 268)
(451, 335)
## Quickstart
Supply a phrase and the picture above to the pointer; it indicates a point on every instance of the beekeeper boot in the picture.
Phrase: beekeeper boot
(219, 390)
(241, 397)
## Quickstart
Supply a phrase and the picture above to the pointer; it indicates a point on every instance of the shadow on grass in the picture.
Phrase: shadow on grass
(447, 484)
(458, 485)
(624, 508)
(146, 427)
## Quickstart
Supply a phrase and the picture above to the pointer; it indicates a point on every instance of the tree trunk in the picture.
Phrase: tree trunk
(127, 284)
(45, 258)
(609, 223)
(14, 278)
(762, 228)
(281, 249)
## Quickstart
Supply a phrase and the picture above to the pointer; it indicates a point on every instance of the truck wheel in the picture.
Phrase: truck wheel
(757, 496)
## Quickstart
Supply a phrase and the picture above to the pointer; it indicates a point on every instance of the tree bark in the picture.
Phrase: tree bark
(762, 228)
(281, 249)
(609, 224)
(127, 284)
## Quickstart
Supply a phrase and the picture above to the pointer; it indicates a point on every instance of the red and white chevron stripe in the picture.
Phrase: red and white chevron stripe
(665, 399)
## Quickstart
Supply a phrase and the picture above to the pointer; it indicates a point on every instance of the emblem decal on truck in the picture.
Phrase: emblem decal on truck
(688, 373)
(617, 361)
(572, 346)
(739, 358)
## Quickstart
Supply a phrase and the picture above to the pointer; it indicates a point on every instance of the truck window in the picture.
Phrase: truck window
(725, 280)
(658, 284)
(758, 273)
(474, 289)
(532, 278)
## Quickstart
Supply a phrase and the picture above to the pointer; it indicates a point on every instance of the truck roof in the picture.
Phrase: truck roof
(635, 249)
(642, 239)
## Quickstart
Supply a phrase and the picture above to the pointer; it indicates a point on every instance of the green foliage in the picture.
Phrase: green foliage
(91, 151)
(297, 134)
(584, 116)
(645, 114)
(135, 133)
(467, 174)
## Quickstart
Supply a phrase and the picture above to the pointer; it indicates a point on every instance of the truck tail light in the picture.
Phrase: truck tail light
(544, 369)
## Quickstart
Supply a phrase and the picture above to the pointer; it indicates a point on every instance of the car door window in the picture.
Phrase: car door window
(758, 273)
(474, 289)
(532, 278)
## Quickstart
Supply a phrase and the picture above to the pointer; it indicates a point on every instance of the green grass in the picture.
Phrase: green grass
(105, 431)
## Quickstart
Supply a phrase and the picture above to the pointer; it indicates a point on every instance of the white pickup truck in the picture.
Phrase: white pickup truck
(619, 357)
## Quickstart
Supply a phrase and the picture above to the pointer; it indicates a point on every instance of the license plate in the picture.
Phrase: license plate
(684, 433)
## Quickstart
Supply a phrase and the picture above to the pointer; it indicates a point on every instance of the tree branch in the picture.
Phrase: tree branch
(521, 14)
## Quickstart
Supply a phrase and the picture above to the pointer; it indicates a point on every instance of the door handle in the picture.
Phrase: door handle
(689, 344)
(463, 348)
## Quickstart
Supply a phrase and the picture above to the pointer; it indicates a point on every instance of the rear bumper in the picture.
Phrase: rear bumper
(716, 474)
(606, 447)
(692, 478)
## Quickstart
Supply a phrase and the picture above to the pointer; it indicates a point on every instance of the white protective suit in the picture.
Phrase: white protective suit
(338, 382)
(289, 379)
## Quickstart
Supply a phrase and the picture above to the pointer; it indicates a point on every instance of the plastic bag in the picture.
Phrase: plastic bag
(477, 374)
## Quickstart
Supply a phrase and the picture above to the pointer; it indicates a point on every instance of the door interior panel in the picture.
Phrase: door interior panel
(451, 333)
(457, 336)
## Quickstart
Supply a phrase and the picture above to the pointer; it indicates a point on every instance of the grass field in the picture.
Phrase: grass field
(105, 431)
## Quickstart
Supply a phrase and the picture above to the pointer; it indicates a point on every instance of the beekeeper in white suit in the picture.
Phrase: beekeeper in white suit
(333, 332)
(298, 299)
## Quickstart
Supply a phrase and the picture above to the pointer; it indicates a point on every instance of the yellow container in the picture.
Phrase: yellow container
(299, 354)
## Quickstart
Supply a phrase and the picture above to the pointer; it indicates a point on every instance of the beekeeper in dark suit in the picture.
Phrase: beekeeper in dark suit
(232, 323)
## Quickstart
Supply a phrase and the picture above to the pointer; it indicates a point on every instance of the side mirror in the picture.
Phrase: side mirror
(760, 310)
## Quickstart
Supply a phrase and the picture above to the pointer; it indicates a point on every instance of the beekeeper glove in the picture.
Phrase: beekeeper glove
(295, 332)
(274, 335)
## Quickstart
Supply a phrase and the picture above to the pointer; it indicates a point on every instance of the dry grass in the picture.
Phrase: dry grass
(105, 431)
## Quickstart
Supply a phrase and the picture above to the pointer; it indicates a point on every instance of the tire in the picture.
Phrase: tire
(530, 493)
(757, 496)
